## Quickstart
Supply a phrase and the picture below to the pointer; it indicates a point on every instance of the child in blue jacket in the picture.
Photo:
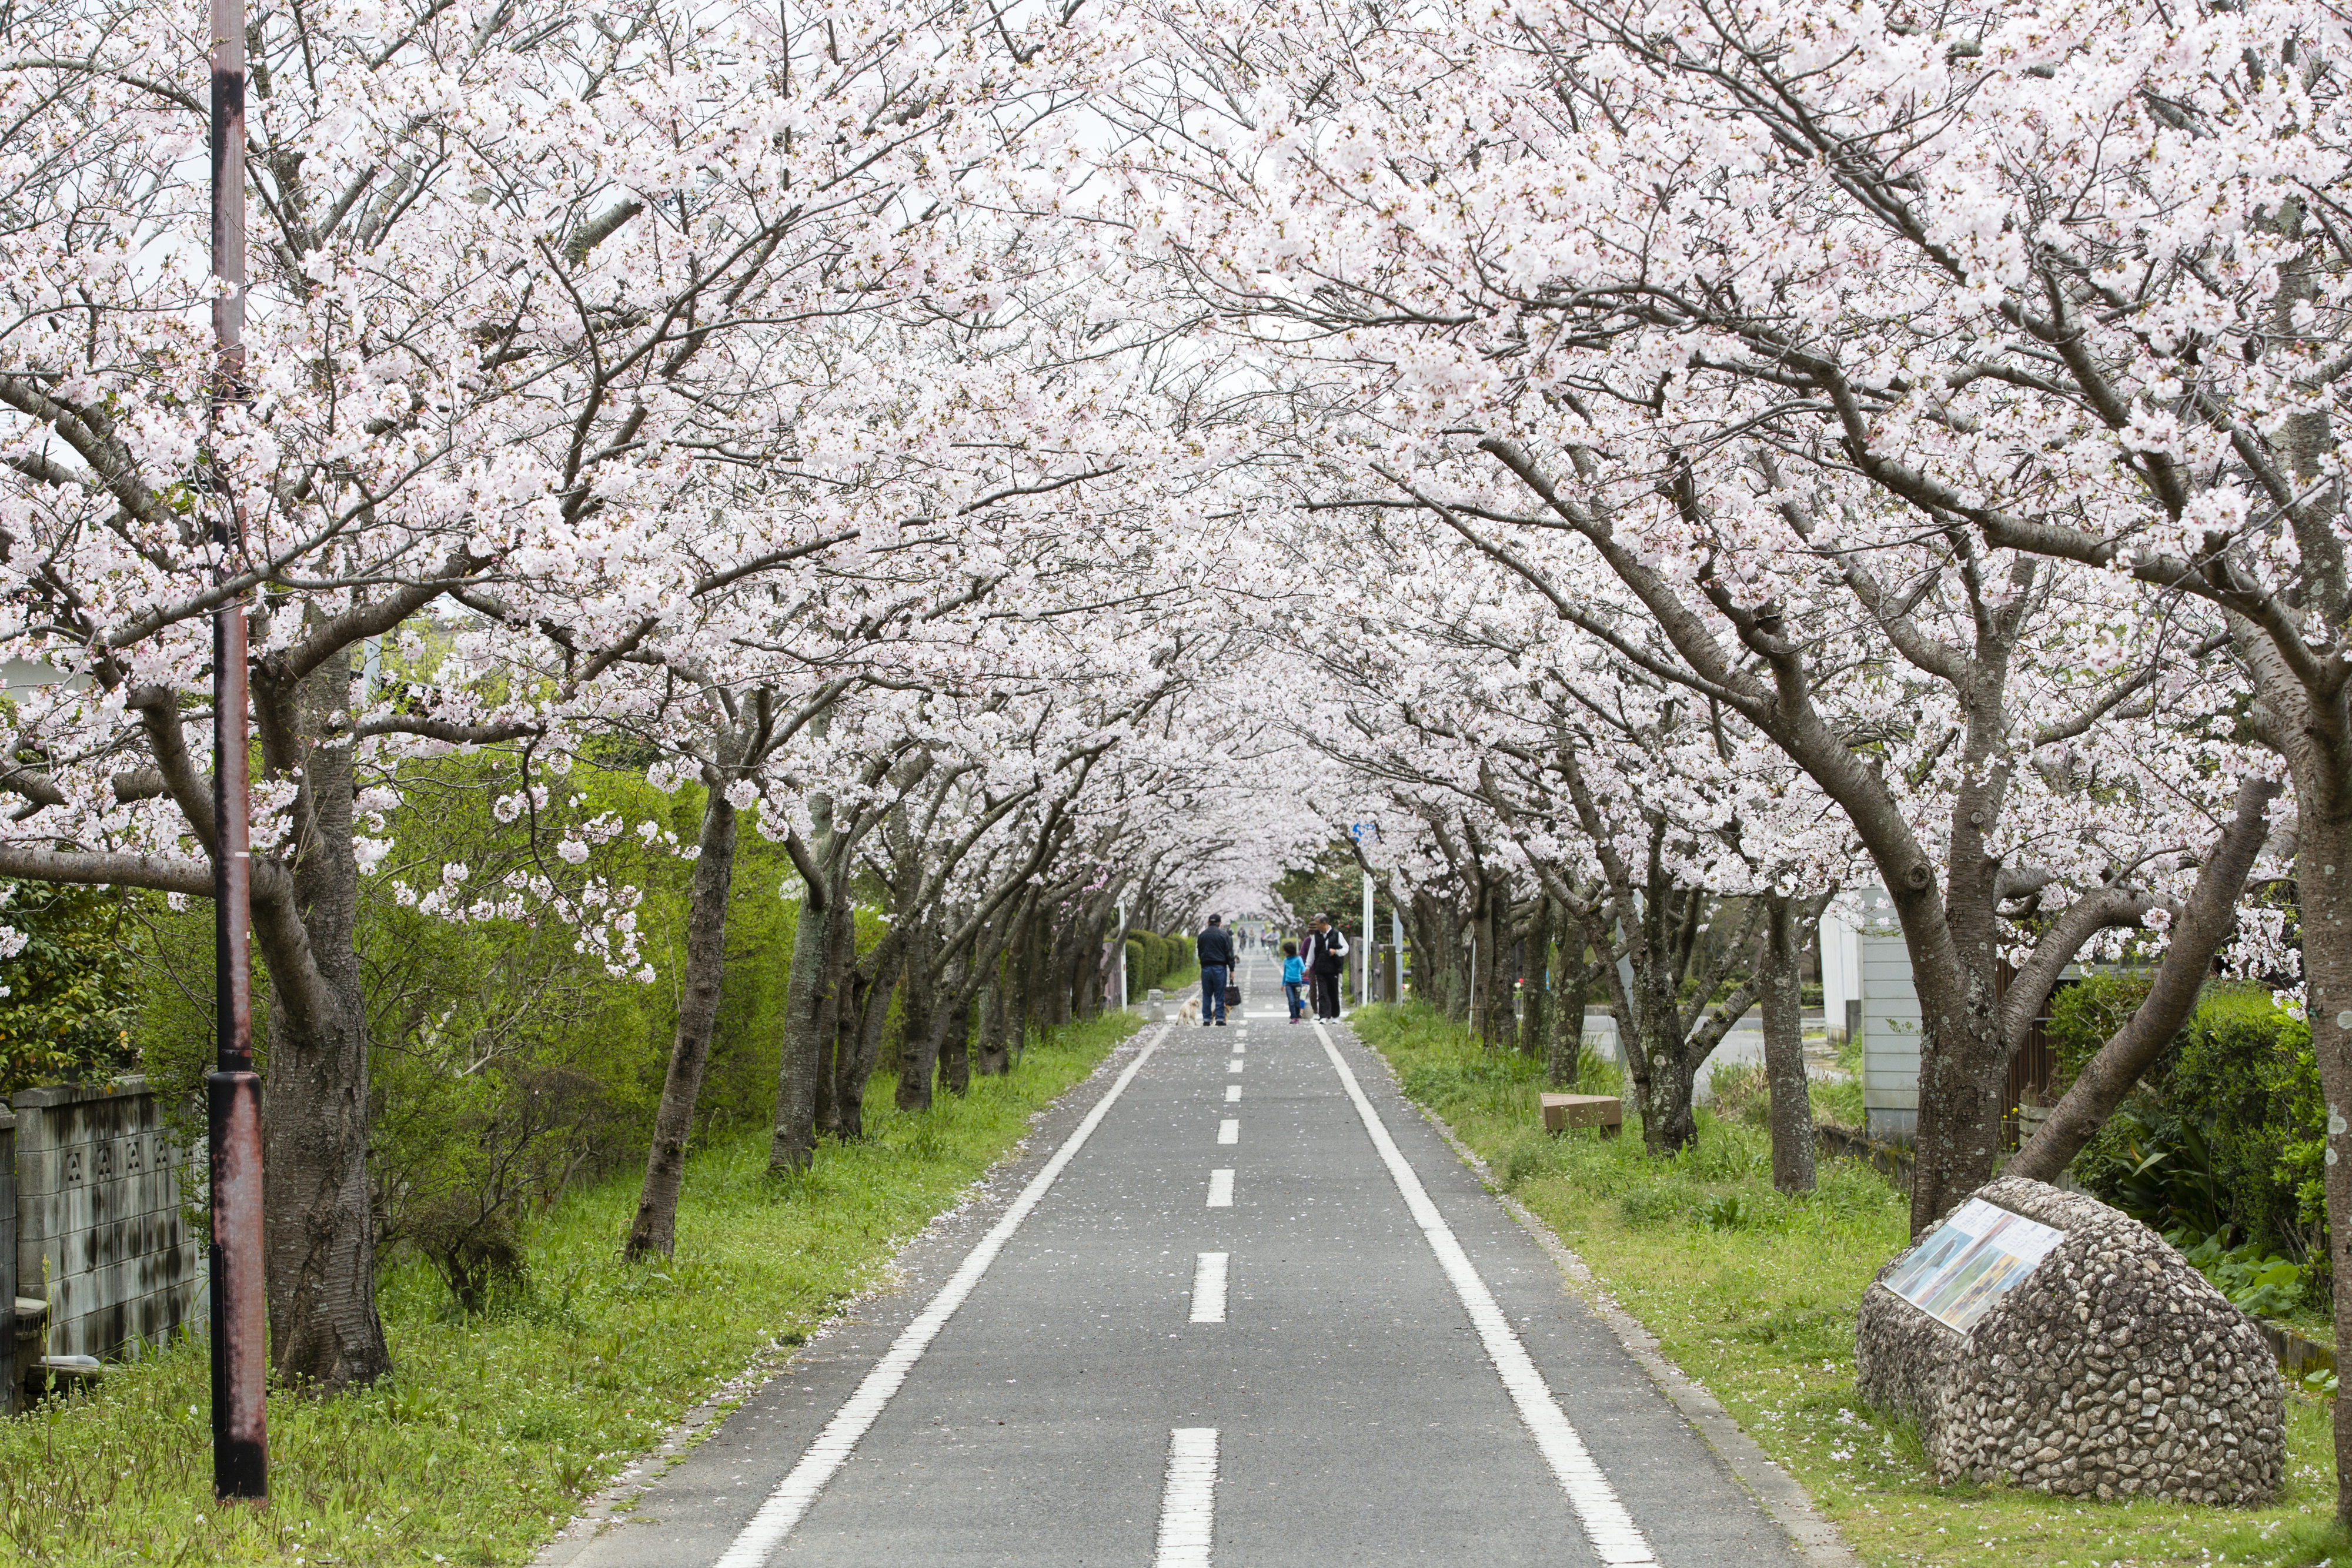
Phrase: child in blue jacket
(1294, 975)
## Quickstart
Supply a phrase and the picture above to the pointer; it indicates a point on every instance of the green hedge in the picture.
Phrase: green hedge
(1152, 958)
(2232, 1116)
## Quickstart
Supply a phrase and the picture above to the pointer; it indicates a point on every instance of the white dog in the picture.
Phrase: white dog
(1191, 1012)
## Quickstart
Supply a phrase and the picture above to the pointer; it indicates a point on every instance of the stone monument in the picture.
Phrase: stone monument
(2045, 1340)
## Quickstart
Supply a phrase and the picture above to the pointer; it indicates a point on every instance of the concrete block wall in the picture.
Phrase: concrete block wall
(98, 1227)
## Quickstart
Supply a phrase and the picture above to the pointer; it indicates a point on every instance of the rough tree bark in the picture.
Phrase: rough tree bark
(1535, 1038)
(955, 1049)
(1781, 969)
(792, 1143)
(1565, 1047)
(654, 1228)
(319, 1233)
(919, 1052)
(832, 1008)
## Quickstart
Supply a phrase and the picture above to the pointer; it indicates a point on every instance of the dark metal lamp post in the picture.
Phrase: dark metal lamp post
(233, 1090)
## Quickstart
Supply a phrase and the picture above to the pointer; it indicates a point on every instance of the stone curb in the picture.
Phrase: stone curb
(1774, 1488)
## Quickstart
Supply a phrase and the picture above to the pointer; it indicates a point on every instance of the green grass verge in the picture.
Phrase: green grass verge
(1753, 1294)
(493, 1427)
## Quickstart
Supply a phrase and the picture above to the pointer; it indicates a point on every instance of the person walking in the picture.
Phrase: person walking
(1215, 946)
(1293, 980)
(1326, 952)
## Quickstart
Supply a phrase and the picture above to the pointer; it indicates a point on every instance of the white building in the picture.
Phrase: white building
(1863, 958)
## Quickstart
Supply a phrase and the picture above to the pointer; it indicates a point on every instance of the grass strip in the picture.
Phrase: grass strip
(494, 1425)
(1753, 1294)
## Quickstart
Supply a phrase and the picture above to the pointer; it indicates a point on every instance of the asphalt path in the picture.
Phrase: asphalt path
(1235, 1303)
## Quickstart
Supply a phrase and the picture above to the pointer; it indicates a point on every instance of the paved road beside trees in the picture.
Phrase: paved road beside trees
(1399, 1375)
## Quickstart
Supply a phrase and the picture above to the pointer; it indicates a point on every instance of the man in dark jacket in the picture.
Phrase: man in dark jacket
(1327, 953)
(1216, 947)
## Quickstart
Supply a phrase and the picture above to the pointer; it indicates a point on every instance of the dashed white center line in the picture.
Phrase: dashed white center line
(1228, 1131)
(1188, 1505)
(1232, 1093)
(1235, 1065)
(1209, 1289)
(1221, 1189)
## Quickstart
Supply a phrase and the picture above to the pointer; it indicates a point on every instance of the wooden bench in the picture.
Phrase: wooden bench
(1606, 1112)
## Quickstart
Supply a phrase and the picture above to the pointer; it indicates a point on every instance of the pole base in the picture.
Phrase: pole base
(240, 1343)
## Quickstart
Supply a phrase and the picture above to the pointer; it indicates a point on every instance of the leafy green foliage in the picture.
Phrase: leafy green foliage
(2254, 1280)
(1153, 959)
(65, 1013)
(497, 1422)
(507, 1061)
(2225, 1133)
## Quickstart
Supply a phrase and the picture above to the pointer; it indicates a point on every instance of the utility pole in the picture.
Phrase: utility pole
(1122, 955)
(1364, 980)
(233, 1090)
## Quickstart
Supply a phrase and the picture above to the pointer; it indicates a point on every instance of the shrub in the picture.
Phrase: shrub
(66, 995)
(2225, 1133)
(2084, 1014)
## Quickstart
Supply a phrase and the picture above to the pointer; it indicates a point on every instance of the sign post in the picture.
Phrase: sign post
(1366, 835)
(1396, 946)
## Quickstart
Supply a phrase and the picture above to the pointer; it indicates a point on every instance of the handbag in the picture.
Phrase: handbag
(1232, 995)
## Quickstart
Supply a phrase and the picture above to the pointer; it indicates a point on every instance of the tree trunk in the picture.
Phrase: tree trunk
(1963, 1061)
(792, 1143)
(863, 1047)
(1661, 1063)
(955, 1047)
(919, 1052)
(1782, 961)
(834, 1011)
(1535, 1034)
(998, 1008)
(1485, 985)
(655, 1229)
(1566, 1044)
(319, 1233)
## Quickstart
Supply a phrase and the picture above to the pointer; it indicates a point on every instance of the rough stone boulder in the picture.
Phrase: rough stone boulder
(2108, 1367)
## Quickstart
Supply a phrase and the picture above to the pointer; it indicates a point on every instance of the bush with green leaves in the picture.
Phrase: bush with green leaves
(2224, 1135)
(507, 1061)
(67, 994)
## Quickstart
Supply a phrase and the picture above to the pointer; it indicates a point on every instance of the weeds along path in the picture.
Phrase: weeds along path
(1238, 1304)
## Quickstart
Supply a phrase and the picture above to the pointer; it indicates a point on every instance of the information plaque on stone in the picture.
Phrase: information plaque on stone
(1980, 1253)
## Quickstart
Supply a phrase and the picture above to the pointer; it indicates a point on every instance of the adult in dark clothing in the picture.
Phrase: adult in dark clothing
(1215, 946)
(1326, 951)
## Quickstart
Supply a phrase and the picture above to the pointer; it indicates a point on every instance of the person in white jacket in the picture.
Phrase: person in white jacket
(1327, 951)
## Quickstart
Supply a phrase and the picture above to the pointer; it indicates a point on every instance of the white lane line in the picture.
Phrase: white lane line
(793, 1496)
(1617, 1540)
(1235, 1065)
(1241, 1048)
(1209, 1289)
(1188, 1505)
(1221, 1189)
(1228, 1131)
(1232, 1093)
